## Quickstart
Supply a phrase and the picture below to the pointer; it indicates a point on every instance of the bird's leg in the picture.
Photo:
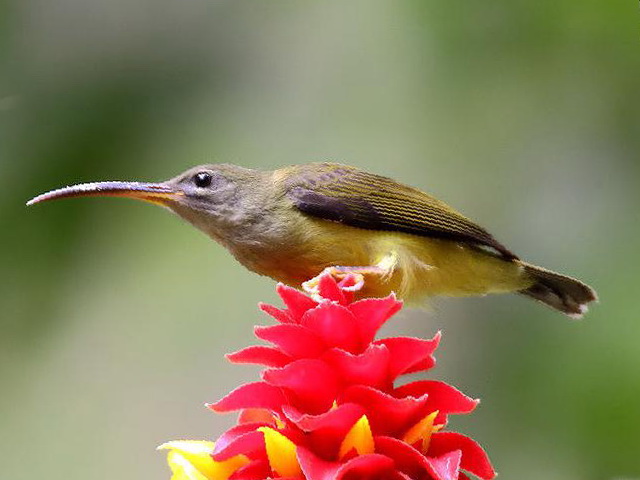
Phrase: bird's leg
(384, 268)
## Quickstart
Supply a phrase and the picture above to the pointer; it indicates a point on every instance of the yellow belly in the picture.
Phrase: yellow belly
(423, 266)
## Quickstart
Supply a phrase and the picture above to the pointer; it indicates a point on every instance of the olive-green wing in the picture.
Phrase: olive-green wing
(360, 199)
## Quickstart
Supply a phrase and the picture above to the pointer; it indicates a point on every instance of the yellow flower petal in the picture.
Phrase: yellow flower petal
(182, 468)
(359, 438)
(422, 430)
(191, 460)
(281, 453)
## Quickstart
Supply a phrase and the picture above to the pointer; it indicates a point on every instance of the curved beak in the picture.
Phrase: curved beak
(158, 193)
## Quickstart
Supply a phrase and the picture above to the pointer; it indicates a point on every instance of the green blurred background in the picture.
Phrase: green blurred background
(115, 315)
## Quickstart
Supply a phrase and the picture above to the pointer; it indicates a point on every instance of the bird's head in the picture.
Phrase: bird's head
(211, 197)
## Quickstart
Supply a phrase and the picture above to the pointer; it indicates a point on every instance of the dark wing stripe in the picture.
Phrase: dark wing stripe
(388, 201)
(405, 206)
(399, 219)
(412, 213)
(356, 198)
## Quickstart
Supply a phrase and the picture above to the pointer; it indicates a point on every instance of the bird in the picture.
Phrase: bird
(296, 223)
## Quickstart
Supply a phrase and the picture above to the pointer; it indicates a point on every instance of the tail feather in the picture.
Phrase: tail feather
(566, 294)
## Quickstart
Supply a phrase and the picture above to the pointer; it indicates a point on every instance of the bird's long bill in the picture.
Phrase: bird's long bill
(151, 192)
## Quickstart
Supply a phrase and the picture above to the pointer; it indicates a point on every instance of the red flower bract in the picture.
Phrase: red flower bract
(328, 407)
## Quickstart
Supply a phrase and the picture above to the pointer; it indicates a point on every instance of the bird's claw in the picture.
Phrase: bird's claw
(339, 274)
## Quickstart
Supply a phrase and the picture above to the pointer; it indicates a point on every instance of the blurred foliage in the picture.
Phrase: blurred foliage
(115, 316)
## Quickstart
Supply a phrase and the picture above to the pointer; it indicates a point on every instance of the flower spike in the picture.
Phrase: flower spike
(330, 407)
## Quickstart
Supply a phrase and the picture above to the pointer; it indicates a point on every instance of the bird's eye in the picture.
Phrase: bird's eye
(202, 179)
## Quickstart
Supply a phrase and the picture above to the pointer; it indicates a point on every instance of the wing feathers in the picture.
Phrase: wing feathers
(360, 199)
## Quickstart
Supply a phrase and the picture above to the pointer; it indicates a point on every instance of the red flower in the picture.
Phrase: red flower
(328, 407)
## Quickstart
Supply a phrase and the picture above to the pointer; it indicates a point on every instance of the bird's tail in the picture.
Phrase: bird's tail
(560, 292)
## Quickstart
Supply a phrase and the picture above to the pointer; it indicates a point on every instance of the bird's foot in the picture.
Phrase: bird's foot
(340, 274)
(383, 269)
